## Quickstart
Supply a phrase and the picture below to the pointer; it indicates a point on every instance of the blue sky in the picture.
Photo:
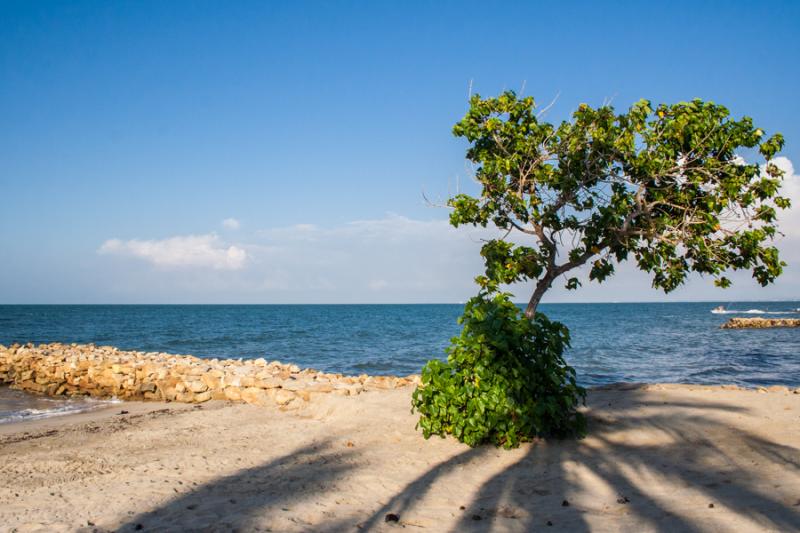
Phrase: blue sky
(131, 130)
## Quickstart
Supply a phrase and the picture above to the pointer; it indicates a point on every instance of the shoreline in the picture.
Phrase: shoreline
(106, 372)
(141, 407)
(100, 414)
(661, 456)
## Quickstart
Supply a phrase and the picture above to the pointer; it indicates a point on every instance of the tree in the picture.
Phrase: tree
(665, 186)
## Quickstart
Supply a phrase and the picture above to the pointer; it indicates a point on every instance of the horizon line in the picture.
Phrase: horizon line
(406, 303)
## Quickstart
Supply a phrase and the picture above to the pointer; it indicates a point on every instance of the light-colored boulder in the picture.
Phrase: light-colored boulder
(268, 383)
(218, 394)
(197, 386)
(57, 369)
(185, 397)
(202, 397)
(255, 396)
(283, 396)
(319, 387)
(233, 394)
(294, 384)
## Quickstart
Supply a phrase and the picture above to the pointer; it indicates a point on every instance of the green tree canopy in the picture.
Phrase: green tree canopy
(666, 186)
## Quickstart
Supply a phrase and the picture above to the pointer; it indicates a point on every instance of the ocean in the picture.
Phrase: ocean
(611, 342)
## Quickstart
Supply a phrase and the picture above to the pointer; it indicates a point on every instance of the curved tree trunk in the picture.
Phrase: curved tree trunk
(541, 288)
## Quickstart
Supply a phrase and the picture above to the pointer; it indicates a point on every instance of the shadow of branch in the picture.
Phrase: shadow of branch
(254, 495)
(677, 467)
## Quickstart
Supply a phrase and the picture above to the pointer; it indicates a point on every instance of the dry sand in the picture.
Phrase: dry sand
(658, 458)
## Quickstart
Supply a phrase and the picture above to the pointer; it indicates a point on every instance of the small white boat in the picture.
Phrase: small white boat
(722, 310)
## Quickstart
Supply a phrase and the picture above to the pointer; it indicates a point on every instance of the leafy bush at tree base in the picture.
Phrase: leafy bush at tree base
(505, 380)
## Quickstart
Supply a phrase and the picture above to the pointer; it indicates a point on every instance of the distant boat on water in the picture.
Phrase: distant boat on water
(722, 310)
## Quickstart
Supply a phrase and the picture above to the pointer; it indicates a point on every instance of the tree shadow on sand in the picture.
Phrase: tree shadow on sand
(541, 490)
(276, 490)
(645, 466)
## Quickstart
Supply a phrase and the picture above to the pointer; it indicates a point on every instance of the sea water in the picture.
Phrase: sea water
(614, 342)
(18, 406)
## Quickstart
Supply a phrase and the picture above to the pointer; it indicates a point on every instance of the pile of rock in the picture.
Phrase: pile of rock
(739, 323)
(106, 372)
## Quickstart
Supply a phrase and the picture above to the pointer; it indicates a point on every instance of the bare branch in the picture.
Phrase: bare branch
(546, 108)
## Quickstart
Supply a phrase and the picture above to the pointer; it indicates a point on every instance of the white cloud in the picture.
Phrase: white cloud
(378, 284)
(204, 251)
(388, 259)
(394, 258)
(789, 219)
(231, 223)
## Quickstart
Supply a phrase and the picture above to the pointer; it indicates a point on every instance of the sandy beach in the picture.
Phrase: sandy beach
(657, 458)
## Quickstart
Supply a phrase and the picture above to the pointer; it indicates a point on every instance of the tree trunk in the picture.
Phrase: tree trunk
(541, 288)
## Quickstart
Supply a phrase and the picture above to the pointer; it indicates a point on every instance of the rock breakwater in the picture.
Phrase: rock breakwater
(758, 323)
(106, 372)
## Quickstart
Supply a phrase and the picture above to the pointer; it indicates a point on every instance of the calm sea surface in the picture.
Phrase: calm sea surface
(661, 342)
